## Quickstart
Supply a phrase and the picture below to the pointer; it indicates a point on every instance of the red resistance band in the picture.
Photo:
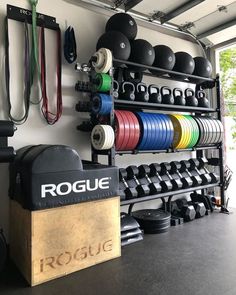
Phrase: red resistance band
(50, 117)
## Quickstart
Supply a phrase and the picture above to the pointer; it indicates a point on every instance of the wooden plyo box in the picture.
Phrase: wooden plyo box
(52, 243)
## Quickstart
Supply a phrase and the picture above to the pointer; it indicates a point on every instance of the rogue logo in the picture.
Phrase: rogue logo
(65, 188)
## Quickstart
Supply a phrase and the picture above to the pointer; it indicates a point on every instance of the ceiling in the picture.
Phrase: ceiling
(211, 21)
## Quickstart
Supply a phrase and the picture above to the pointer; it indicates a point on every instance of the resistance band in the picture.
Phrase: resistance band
(50, 117)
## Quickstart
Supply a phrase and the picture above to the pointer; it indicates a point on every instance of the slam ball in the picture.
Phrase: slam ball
(164, 57)
(123, 23)
(184, 63)
(203, 67)
(142, 52)
(117, 42)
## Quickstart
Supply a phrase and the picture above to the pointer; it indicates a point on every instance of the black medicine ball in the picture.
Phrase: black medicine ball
(164, 57)
(123, 23)
(117, 42)
(142, 52)
(203, 67)
(184, 63)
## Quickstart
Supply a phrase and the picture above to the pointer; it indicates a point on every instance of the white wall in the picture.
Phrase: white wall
(89, 26)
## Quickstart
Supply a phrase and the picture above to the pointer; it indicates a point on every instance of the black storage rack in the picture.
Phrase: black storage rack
(136, 105)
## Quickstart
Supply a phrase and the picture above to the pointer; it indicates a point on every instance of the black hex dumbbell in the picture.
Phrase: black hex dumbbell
(185, 166)
(199, 208)
(142, 189)
(155, 170)
(144, 172)
(175, 169)
(194, 166)
(181, 208)
(165, 168)
(129, 192)
(203, 162)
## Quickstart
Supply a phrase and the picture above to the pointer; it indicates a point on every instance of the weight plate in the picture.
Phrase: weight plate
(152, 136)
(143, 129)
(201, 131)
(191, 126)
(104, 60)
(156, 216)
(102, 137)
(183, 141)
(103, 82)
(136, 130)
(157, 123)
(164, 133)
(119, 130)
(127, 131)
(218, 132)
(221, 131)
(129, 119)
(157, 231)
(196, 131)
(178, 131)
(215, 131)
(167, 131)
(211, 128)
(206, 138)
(171, 131)
(187, 131)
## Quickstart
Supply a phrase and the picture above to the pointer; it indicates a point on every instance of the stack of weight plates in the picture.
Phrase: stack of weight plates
(157, 131)
(186, 131)
(130, 230)
(153, 221)
(127, 130)
(211, 131)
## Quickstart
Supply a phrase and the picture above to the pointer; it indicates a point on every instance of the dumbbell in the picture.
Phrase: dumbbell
(185, 166)
(190, 98)
(141, 93)
(132, 173)
(130, 192)
(144, 172)
(205, 199)
(127, 91)
(203, 161)
(175, 168)
(165, 168)
(166, 185)
(166, 95)
(181, 208)
(194, 165)
(199, 208)
(154, 94)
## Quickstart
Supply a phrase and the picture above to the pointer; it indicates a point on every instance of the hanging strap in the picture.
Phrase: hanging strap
(70, 47)
(50, 117)
(27, 83)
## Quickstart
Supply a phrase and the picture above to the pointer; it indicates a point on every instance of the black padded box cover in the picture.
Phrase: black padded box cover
(47, 176)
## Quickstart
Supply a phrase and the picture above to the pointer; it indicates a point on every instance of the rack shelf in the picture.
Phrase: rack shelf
(154, 106)
(177, 75)
(168, 194)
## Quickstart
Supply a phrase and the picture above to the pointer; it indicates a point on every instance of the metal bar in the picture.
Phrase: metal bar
(163, 71)
(221, 149)
(217, 29)
(166, 107)
(168, 194)
(180, 10)
(127, 4)
(22, 15)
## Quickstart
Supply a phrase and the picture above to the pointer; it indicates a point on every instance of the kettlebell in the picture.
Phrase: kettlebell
(141, 93)
(167, 98)
(132, 76)
(191, 100)
(202, 99)
(154, 94)
(116, 87)
(127, 91)
(179, 97)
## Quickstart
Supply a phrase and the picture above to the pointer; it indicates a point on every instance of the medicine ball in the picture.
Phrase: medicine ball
(117, 42)
(184, 63)
(164, 57)
(142, 52)
(203, 67)
(123, 23)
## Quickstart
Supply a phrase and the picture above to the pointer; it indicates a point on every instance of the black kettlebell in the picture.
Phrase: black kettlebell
(167, 98)
(141, 93)
(202, 99)
(132, 76)
(154, 94)
(127, 91)
(116, 88)
(179, 97)
(191, 100)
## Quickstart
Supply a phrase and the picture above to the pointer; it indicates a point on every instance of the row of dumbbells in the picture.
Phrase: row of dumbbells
(145, 180)
(154, 94)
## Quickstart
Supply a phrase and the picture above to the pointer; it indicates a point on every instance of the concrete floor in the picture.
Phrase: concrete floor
(196, 258)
